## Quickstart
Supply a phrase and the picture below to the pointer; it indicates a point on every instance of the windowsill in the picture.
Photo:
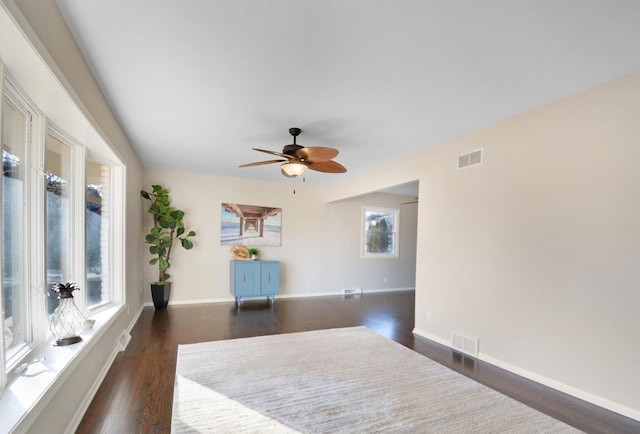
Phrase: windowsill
(48, 371)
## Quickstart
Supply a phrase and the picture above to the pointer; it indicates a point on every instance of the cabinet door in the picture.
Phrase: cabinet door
(243, 278)
(270, 278)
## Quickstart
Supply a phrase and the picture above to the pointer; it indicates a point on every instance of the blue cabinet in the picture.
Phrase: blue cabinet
(255, 279)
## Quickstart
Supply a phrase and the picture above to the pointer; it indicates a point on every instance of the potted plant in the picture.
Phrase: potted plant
(254, 252)
(167, 227)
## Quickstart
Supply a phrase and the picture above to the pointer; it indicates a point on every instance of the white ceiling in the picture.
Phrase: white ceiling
(196, 84)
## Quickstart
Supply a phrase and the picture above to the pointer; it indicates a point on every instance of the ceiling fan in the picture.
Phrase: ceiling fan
(296, 159)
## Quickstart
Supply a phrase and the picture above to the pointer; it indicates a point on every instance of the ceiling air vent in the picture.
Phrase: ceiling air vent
(470, 159)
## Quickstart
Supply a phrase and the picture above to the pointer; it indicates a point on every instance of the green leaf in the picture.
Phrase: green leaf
(180, 231)
(153, 250)
(164, 264)
(145, 195)
(191, 234)
(186, 243)
(167, 222)
(154, 261)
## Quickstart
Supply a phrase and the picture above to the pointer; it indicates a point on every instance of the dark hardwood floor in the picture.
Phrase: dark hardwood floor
(137, 393)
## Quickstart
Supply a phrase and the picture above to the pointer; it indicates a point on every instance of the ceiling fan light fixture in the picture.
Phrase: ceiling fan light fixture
(292, 169)
(296, 159)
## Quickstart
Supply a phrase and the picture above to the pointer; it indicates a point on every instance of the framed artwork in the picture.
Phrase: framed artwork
(250, 225)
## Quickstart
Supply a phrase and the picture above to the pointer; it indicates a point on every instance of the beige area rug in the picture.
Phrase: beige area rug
(348, 380)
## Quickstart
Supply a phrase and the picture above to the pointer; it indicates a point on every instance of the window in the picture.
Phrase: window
(98, 248)
(56, 225)
(57, 213)
(20, 297)
(42, 225)
(380, 228)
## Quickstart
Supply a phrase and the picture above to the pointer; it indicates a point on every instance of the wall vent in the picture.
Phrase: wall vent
(470, 159)
(123, 340)
(465, 343)
(353, 291)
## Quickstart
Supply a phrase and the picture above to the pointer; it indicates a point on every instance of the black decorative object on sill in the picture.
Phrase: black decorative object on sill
(66, 321)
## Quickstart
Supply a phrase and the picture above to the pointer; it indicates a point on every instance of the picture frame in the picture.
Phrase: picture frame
(250, 225)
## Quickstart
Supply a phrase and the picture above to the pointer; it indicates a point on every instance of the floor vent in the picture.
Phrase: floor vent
(123, 340)
(353, 291)
(465, 344)
(470, 159)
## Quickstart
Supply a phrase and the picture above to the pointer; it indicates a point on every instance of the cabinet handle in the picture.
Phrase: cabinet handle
(244, 277)
(269, 278)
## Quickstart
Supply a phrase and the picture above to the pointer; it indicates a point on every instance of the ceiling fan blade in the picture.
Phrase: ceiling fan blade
(326, 166)
(260, 163)
(317, 154)
(279, 154)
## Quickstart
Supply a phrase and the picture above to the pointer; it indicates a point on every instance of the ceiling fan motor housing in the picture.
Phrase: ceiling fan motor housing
(291, 149)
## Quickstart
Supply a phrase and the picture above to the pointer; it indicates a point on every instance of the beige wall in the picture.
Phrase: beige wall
(320, 252)
(536, 251)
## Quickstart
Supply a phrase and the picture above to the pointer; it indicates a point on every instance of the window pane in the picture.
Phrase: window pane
(58, 176)
(380, 231)
(98, 233)
(15, 125)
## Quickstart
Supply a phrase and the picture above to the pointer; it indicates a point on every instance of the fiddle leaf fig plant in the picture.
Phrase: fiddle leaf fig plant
(167, 227)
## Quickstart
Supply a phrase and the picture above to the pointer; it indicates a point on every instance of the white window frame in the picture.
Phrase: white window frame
(79, 155)
(116, 233)
(76, 211)
(3, 364)
(34, 280)
(35, 287)
(396, 233)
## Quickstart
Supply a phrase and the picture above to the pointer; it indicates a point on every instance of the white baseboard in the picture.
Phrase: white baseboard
(432, 337)
(91, 393)
(134, 320)
(307, 295)
(198, 301)
(561, 387)
(375, 291)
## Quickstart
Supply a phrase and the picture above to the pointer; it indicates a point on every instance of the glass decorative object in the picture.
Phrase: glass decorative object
(67, 321)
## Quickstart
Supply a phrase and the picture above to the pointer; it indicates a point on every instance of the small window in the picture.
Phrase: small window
(98, 235)
(57, 214)
(380, 228)
(17, 305)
